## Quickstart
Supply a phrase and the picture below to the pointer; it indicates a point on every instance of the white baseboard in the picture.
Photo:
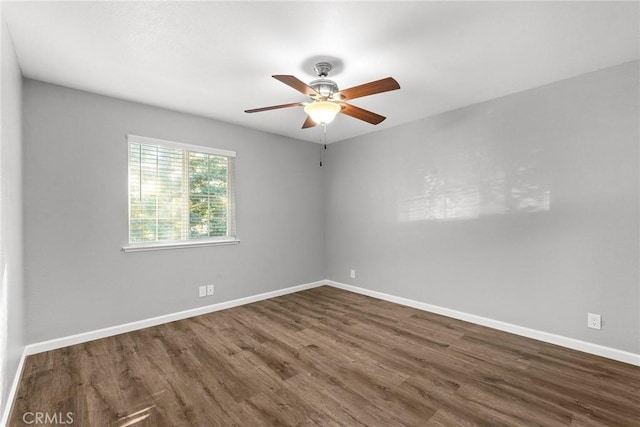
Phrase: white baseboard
(154, 321)
(13, 390)
(587, 347)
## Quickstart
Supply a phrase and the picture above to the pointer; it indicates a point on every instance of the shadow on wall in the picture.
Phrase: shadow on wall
(3, 336)
(471, 187)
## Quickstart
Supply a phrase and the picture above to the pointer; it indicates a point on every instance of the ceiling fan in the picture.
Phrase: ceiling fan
(327, 100)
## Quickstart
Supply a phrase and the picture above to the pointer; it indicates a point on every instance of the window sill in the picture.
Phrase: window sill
(178, 245)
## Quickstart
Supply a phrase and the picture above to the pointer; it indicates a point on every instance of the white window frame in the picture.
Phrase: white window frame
(176, 244)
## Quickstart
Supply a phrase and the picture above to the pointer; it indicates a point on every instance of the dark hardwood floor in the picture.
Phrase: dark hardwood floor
(326, 357)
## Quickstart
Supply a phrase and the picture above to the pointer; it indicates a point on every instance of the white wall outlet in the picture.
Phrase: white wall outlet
(594, 321)
(353, 274)
(202, 291)
(210, 289)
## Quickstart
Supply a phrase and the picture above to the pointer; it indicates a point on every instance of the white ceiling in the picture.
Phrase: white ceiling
(216, 58)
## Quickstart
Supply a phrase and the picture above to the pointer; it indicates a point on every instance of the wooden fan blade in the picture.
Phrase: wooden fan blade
(274, 107)
(361, 114)
(371, 88)
(297, 84)
(308, 123)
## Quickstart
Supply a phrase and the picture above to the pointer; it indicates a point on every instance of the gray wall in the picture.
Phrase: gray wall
(522, 209)
(76, 215)
(12, 317)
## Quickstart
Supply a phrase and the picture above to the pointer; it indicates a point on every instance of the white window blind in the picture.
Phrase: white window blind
(179, 192)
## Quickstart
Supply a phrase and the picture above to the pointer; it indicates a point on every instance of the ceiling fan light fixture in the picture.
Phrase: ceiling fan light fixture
(322, 111)
(327, 100)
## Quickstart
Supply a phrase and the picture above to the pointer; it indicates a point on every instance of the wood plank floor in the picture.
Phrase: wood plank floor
(326, 357)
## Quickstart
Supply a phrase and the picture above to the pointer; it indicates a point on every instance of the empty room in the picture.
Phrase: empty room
(336, 213)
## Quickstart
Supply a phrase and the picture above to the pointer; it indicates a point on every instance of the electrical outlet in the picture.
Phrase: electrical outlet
(209, 289)
(594, 321)
(202, 291)
(353, 274)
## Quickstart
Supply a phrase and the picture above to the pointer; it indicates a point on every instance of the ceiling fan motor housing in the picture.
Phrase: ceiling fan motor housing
(324, 87)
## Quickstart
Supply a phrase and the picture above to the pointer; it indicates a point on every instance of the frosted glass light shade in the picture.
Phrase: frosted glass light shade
(322, 111)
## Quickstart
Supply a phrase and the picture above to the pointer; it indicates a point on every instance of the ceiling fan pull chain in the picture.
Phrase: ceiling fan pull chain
(324, 133)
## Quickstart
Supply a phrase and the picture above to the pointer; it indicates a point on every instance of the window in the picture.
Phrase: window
(179, 195)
